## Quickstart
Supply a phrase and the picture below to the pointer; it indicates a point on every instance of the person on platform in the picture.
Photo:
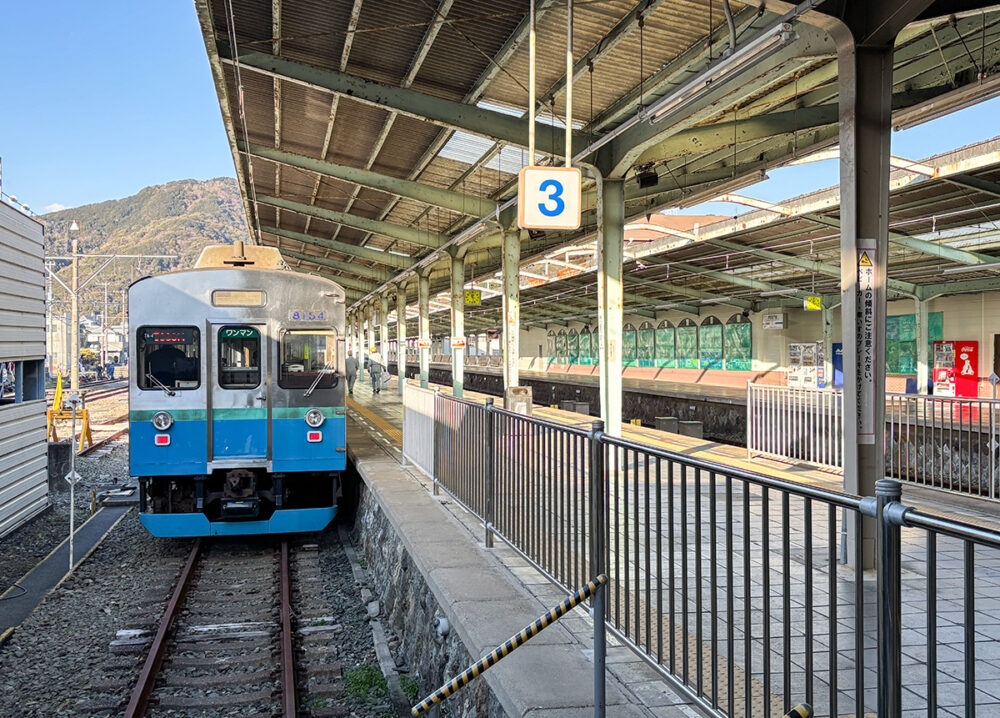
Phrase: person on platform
(351, 367)
(375, 371)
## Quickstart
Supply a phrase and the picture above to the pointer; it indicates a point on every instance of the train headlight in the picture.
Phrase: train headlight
(162, 420)
(315, 418)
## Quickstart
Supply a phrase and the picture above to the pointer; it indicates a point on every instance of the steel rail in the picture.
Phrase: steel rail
(139, 699)
(103, 442)
(288, 696)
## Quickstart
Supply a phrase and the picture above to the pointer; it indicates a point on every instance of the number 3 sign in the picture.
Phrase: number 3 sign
(548, 198)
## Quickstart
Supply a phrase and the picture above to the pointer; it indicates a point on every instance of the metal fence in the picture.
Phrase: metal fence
(730, 583)
(943, 442)
(801, 424)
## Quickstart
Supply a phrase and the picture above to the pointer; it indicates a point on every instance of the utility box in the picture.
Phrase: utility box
(581, 407)
(666, 423)
(59, 452)
(518, 399)
(691, 428)
(567, 405)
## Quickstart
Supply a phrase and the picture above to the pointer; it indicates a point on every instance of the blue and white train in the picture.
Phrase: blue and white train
(237, 399)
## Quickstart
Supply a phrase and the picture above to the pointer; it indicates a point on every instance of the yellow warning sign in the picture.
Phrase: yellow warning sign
(864, 260)
(812, 304)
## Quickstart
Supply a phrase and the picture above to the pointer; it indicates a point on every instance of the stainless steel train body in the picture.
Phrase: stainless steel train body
(237, 398)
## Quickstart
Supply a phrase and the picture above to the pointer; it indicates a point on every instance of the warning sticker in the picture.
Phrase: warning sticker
(866, 341)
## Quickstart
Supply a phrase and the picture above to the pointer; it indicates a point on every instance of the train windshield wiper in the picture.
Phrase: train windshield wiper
(312, 387)
(166, 390)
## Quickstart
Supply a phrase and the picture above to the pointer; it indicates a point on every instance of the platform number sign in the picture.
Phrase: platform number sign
(548, 198)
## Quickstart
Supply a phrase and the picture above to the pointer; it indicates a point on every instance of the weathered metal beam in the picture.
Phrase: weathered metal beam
(372, 255)
(346, 282)
(447, 113)
(379, 275)
(395, 231)
(737, 280)
(428, 194)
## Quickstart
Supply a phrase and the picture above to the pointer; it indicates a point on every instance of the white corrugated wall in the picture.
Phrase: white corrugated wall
(23, 451)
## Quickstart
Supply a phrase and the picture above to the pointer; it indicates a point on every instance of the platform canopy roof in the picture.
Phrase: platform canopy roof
(371, 136)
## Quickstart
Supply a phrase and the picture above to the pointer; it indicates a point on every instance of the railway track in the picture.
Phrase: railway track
(230, 640)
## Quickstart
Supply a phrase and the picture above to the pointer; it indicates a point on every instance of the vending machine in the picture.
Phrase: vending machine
(956, 368)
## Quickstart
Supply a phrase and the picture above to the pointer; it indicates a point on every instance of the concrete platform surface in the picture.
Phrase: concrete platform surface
(490, 594)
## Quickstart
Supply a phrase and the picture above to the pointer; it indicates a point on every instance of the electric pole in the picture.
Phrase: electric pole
(74, 357)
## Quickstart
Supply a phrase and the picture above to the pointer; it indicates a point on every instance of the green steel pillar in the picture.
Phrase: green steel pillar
(457, 321)
(370, 333)
(511, 307)
(383, 331)
(610, 253)
(424, 336)
(923, 360)
(401, 335)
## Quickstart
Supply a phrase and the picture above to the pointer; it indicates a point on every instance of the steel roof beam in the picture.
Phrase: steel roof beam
(372, 255)
(427, 194)
(739, 281)
(379, 275)
(683, 291)
(346, 282)
(386, 229)
(447, 113)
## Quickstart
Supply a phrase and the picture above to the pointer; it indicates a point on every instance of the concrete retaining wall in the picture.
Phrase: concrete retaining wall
(409, 609)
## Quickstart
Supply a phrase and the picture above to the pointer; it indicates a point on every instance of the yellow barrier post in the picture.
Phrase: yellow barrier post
(509, 645)
(803, 710)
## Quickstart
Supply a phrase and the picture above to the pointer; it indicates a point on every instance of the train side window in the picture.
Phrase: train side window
(308, 356)
(239, 357)
(168, 358)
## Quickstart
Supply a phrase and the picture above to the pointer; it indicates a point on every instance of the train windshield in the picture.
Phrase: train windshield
(239, 357)
(308, 359)
(169, 358)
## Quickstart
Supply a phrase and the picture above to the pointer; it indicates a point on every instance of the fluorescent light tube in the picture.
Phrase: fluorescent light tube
(398, 254)
(724, 70)
(985, 266)
(716, 300)
(778, 292)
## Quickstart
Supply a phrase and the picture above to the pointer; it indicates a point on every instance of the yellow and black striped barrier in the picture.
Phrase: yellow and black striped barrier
(508, 646)
(802, 710)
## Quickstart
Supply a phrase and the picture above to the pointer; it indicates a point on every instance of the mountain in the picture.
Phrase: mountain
(178, 218)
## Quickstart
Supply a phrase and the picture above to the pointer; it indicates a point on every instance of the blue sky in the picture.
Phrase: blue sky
(103, 98)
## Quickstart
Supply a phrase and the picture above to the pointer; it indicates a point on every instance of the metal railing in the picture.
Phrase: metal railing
(729, 582)
(801, 424)
(946, 443)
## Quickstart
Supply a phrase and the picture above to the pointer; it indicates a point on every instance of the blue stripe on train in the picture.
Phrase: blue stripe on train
(281, 522)
(293, 452)
(239, 438)
(184, 455)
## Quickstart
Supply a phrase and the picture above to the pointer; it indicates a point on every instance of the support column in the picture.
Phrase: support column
(457, 321)
(383, 330)
(610, 299)
(511, 307)
(865, 81)
(424, 335)
(923, 358)
(74, 329)
(828, 347)
(400, 336)
(370, 331)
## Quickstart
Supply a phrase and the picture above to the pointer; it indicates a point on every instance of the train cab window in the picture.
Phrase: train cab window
(308, 359)
(239, 357)
(169, 358)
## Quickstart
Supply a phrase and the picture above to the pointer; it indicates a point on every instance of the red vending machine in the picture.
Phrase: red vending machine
(956, 369)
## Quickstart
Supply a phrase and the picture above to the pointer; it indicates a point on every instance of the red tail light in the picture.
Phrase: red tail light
(162, 439)
(314, 436)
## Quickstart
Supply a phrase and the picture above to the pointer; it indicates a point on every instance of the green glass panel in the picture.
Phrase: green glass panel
(644, 347)
(560, 348)
(665, 355)
(628, 348)
(891, 329)
(687, 347)
(584, 357)
(739, 347)
(907, 327)
(573, 348)
(710, 341)
(935, 326)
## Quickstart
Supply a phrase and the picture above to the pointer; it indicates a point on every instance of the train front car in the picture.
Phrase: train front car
(236, 399)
